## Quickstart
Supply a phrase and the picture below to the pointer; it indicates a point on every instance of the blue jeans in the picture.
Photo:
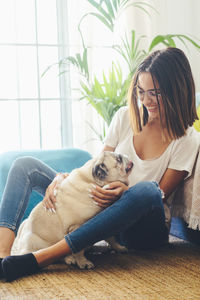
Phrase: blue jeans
(25, 175)
(137, 219)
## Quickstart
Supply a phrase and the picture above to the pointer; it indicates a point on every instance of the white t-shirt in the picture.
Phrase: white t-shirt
(179, 155)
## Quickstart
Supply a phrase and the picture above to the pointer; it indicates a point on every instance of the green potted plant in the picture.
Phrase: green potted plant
(108, 93)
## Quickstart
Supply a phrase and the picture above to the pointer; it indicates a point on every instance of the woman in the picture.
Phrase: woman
(161, 142)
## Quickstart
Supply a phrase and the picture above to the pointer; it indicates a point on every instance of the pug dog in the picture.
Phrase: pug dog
(74, 206)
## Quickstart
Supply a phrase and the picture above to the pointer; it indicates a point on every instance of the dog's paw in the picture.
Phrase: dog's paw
(70, 260)
(115, 246)
(81, 262)
(85, 264)
(119, 249)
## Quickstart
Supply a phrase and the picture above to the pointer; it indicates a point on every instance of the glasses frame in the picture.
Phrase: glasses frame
(148, 93)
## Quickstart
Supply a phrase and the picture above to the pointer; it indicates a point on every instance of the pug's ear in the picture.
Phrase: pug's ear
(100, 171)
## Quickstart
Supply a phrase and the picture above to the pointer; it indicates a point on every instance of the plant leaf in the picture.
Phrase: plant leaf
(100, 9)
(168, 40)
(157, 40)
(108, 4)
(105, 21)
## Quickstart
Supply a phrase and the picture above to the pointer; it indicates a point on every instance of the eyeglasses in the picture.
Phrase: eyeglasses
(152, 94)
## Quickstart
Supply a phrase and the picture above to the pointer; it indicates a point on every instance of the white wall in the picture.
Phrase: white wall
(173, 17)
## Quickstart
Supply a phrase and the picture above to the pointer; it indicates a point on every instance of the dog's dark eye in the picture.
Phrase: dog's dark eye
(119, 159)
(100, 171)
(102, 165)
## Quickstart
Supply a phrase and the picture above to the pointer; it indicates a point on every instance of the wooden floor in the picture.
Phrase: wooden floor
(170, 273)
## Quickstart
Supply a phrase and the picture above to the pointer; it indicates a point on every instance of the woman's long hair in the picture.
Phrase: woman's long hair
(171, 70)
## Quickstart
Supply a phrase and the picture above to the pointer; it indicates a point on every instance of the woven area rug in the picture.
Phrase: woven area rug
(170, 273)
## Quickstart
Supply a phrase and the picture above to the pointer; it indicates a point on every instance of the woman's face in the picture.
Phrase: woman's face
(147, 95)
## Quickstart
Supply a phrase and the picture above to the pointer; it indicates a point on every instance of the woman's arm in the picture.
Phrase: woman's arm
(108, 148)
(170, 180)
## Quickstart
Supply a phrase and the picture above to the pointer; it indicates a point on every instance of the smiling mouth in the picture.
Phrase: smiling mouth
(152, 108)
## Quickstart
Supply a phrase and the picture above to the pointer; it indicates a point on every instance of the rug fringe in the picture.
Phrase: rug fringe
(194, 223)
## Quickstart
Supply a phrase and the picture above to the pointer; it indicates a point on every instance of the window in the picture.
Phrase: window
(35, 111)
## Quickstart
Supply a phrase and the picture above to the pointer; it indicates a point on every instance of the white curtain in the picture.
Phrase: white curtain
(172, 17)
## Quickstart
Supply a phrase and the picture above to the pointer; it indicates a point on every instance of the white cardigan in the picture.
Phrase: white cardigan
(186, 200)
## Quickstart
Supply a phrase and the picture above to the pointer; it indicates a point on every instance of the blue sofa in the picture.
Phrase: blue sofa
(65, 160)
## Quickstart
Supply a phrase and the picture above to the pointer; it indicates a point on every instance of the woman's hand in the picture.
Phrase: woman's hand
(107, 195)
(49, 199)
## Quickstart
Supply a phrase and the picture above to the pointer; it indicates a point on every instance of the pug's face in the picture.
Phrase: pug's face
(110, 166)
